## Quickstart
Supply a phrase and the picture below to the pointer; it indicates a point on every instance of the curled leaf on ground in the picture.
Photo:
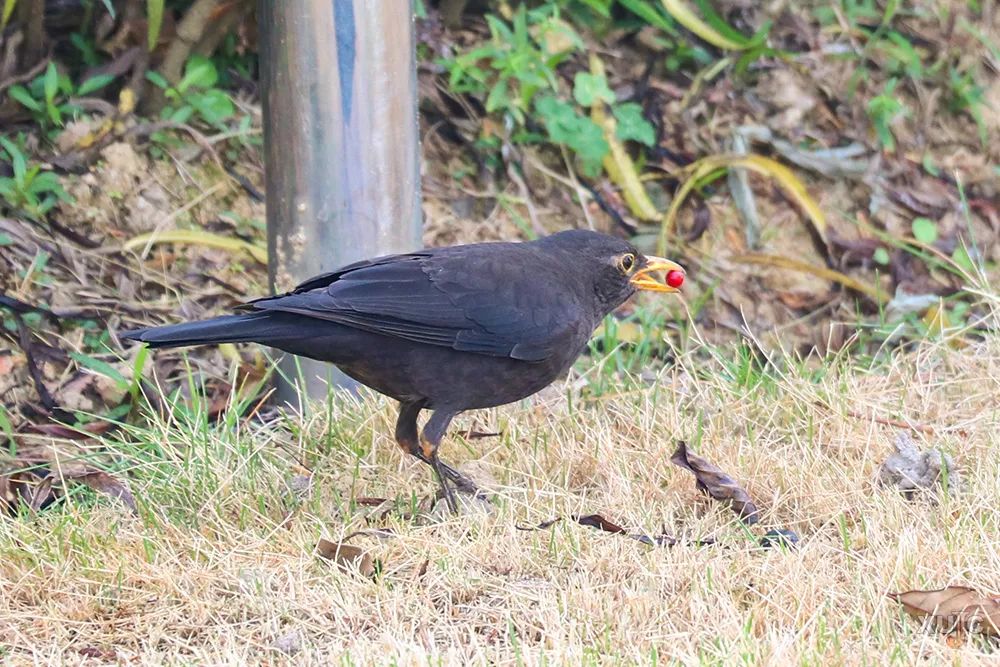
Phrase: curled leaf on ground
(782, 175)
(712, 481)
(109, 485)
(348, 557)
(197, 237)
(832, 275)
(953, 609)
(25, 488)
(41, 473)
(617, 163)
(686, 16)
(600, 523)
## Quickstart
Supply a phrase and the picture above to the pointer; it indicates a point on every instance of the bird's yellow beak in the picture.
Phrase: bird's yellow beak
(645, 278)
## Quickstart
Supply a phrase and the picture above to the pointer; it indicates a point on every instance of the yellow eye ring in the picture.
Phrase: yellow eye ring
(626, 262)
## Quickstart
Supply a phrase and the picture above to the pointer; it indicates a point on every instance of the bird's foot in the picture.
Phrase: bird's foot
(448, 478)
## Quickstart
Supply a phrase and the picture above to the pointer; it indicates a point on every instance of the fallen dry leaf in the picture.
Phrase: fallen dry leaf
(198, 237)
(683, 14)
(58, 430)
(347, 557)
(41, 472)
(600, 523)
(109, 485)
(712, 481)
(784, 176)
(953, 608)
(366, 501)
(27, 488)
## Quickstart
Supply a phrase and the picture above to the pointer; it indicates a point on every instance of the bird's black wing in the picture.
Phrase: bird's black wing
(471, 298)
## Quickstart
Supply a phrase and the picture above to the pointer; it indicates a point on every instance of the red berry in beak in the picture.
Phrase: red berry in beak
(675, 278)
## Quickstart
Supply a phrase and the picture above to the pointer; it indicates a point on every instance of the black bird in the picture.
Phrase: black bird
(446, 329)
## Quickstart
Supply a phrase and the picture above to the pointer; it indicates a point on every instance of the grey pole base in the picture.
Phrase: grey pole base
(300, 378)
(341, 145)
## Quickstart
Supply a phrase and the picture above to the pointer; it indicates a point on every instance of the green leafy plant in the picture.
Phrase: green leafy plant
(567, 126)
(883, 110)
(516, 73)
(901, 58)
(966, 96)
(30, 189)
(195, 95)
(48, 97)
(924, 230)
(517, 62)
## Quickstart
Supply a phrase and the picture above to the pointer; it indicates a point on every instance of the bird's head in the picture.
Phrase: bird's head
(616, 268)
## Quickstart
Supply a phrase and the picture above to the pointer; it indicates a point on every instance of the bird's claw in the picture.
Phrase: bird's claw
(445, 474)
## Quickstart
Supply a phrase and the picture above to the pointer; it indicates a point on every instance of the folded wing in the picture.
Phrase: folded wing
(497, 304)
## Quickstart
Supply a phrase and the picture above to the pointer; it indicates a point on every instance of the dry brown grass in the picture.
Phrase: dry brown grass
(221, 568)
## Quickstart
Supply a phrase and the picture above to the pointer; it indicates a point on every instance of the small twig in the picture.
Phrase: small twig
(600, 523)
(926, 429)
(245, 183)
(147, 129)
(24, 341)
(94, 105)
(235, 134)
(478, 435)
(72, 235)
(514, 176)
(610, 210)
(122, 63)
(580, 190)
(26, 76)
(181, 211)
(22, 307)
(225, 285)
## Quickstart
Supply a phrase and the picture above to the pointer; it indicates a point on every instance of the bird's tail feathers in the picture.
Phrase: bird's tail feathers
(251, 327)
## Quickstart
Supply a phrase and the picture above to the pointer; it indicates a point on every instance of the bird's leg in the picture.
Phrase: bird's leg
(430, 440)
(407, 438)
(407, 435)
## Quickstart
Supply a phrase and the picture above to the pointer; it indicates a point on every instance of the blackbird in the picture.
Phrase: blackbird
(446, 329)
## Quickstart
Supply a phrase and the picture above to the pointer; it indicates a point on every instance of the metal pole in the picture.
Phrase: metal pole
(341, 145)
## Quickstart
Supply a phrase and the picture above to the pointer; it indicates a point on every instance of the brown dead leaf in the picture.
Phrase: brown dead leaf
(711, 480)
(58, 430)
(600, 523)
(98, 653)
(43, 469)
(953, 609)
(25, 487)
(799, 300)
(109, 485)
(590, 520)
(347, 557)
(367, 501)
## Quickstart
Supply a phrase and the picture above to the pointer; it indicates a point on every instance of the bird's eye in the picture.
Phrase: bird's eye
(626, 262)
